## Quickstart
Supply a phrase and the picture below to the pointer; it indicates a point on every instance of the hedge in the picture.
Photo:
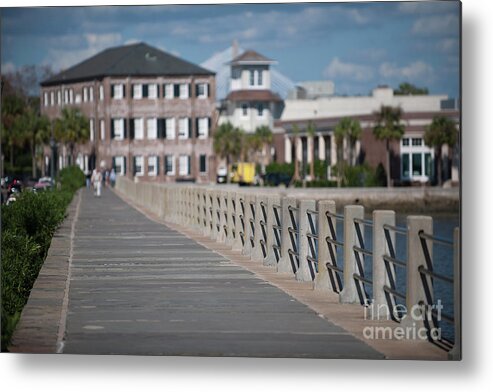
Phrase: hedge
(28, 226)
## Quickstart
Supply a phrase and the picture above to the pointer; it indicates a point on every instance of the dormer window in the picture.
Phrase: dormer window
(256, 79)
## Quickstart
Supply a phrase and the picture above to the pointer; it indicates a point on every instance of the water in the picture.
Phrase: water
(443, 226)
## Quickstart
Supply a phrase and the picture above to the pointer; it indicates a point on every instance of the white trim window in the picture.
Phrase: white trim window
(169, 165)
(184, 91)
(65, 96)
(71, 95)
(101, 92)
(119, 165)
(117, 91)
(152, 91)
(102, 129)
(45, 99)
(202, 90)
(91, 94)
(244, 109)
(85, 94)
(184, 165)
(119, 128)
(170, 129)
(260, 110)
(168, 91)
(183, 131)
(138, 128)
(91, 129)
(151, 128)
(52, 98)
(59, 97)
(139, 165)
(152, 163)
(203, 131)
(78, 98)
(417, 159)
(137, 91)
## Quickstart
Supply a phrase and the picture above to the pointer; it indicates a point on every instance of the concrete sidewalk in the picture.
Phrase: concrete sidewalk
(139, 287)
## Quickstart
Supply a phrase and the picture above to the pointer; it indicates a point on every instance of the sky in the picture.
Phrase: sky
(356, 45)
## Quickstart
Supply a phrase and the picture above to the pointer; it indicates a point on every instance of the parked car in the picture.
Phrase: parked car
(222, 175)
(43, 184)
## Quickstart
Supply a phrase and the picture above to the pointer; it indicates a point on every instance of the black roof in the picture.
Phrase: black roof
(129, 60)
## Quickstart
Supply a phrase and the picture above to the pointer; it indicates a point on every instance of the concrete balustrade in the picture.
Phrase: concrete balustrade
(275, 231)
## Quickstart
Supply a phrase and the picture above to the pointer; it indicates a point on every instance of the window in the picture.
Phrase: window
(71, 96)
(183, 91)
(260, 81)
(417, 165)
(417, 141)
(256, 78)
(59, 97)
(78, 98)
(203, 128)
(65, 96)
(244, 109)
(202, 90)
(168, 91)
(138, 128)
(101, 93)
(405, 165)
(137, 91)
(85, 94)
(102, 129)
(405, 141)
(119, 165)
(151, 128)
(169, 162)
(203, 163)
(152, 91)
(91, 94)
(138, 166)
(416, 160)
(117, 91)
(118, 129)
(260, 110)
(152, 165)
(184, 165)
(252, 78)
(91, 129)
(52, 98)
(183, 128)
(170, 129)
(45, 99)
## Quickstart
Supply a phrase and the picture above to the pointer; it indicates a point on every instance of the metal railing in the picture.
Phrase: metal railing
(332, 265)
(263, 229)
(277, 231)
(293, 230)
(362, 252)
(312, 241)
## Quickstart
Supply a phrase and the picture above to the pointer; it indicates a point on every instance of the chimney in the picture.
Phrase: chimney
(234, 49)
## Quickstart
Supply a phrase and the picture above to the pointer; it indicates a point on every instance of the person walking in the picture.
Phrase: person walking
(112, 178)
(97, 179)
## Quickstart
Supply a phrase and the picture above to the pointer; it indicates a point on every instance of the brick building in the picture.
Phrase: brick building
(151, 114)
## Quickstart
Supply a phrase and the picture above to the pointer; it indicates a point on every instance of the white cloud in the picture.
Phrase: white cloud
(448, 45)
(425, 7)
(436, 25)
(416, 70)
(64, 56)
(357, 72)
(7, 67)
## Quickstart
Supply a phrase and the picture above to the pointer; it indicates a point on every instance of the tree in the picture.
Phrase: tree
(388, 127)
(410, 89)
(72, 129)
(296, 137)
(310, 130)
(442, 130)
(228, 143)
(350, 130)
(12, 109)
(263, 136)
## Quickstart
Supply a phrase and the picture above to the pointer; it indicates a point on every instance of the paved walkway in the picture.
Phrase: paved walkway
(139, 287)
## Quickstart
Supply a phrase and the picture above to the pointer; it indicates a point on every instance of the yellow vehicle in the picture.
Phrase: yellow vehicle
(243, 173)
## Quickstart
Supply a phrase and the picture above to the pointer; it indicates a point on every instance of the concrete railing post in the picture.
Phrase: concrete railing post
(416, 257)
(230, 217)
(208, 215)
(306, 270)
(323, 279)
(249, 228)
(222, 215)
(379, 270)
(238, 241)
(260, 208)
(349, 293)
(284, 264)
(456, 352)
(270, 258)
(214, 219)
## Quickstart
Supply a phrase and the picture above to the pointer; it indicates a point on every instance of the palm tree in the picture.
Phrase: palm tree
(34, 130)
(72, 129)
(263, 135)
(228, 143)
(442, 130)
(348, 129)
(388, 127)
(310, 130)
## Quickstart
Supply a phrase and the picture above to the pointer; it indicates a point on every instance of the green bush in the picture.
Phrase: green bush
(280, 168)
(27, 228)
(359, 176)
